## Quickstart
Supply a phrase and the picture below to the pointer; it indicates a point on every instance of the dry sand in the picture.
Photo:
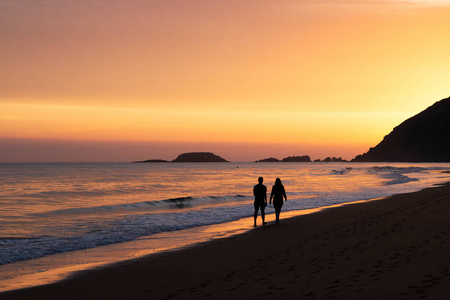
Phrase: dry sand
(394, 248)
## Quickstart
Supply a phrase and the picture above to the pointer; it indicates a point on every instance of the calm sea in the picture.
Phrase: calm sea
(51, 208)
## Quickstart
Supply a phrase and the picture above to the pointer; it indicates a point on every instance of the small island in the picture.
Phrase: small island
(151, 161)
(199, 157)
(189, 157)
(270, 159)
(331, 159)
(304, 158)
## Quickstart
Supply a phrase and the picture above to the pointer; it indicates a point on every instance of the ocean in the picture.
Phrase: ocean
(52, 212)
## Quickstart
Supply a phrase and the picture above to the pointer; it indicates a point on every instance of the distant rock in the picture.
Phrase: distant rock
(199, 157)
(152, 161)
(270, 159)
(304, 158)
(331, 159)
(422, 138)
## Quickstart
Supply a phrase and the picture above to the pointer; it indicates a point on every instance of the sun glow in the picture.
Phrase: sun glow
(234, 72)
(224, 124)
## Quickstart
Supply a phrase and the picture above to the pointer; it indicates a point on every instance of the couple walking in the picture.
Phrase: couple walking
(277, 194)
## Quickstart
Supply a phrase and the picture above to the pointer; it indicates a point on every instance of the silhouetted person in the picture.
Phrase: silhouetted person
(277, 194)
(260, 193)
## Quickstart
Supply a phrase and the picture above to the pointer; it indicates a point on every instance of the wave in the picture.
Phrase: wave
(130, 227)
(392, 175)
(396, 175)
(119, 230)
(76, 193)
(173, 203)
(399, 169)
(341, 171)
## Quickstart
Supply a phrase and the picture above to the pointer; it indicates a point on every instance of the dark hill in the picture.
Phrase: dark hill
(199, 157)
(422, 138)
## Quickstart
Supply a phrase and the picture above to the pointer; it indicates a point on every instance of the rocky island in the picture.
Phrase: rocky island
(331, 159)
(270, 159)
(189, 157)
(304, 158)
(151, 161)
(199, 157)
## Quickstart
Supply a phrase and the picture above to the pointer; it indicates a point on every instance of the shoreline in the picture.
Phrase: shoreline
(57, 267)
(54, 268)
(394, 247)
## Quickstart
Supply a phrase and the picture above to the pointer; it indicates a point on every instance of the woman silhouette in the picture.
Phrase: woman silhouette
(277, 194)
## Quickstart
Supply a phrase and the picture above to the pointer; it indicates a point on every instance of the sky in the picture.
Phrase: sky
(125, 80)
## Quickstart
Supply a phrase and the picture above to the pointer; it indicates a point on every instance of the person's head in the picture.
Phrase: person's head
(278, 181)
(260, 180)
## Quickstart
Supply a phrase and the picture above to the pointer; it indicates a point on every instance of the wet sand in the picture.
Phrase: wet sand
(394, 248)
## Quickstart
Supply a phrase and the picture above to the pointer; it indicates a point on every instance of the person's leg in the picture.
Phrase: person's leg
(277, 215)
(278, 211)
(263, 216)
(256, 214)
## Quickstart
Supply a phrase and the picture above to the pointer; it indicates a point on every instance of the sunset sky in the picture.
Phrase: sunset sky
(121, 80)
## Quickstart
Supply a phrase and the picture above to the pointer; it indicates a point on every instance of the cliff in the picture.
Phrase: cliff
(422, 138)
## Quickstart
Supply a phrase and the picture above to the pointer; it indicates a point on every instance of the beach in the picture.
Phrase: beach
(392, 248)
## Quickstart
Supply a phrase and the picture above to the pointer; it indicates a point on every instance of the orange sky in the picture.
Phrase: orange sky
(244, 79)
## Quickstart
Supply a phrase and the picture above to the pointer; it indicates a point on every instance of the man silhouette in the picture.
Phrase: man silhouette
(260, 193)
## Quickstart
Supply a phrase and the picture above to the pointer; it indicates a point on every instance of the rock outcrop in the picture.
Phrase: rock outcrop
(270, 159)
(304, 158)
(331, 159)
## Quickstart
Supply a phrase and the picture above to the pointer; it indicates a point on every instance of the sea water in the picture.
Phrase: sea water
(47, 209)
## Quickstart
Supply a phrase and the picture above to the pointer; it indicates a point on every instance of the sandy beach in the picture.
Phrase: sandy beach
(393, 248)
